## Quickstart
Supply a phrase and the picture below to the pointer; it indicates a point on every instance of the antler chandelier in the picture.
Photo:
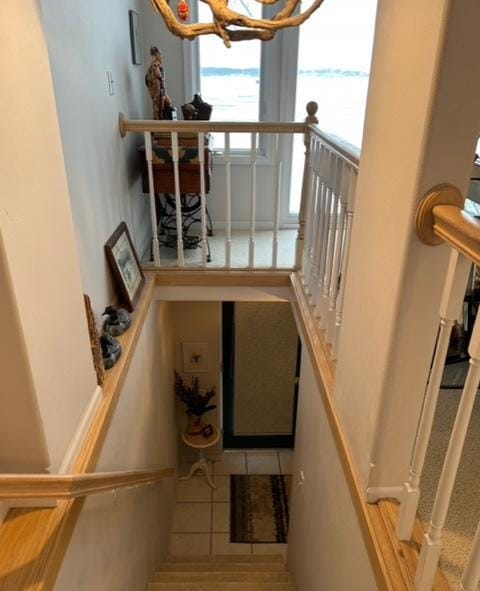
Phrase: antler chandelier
(231, 25)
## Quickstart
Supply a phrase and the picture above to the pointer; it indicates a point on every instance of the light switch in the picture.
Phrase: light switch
(111, 82)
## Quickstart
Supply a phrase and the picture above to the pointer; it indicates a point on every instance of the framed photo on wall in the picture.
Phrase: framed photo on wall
(125, 266)
(135, 37)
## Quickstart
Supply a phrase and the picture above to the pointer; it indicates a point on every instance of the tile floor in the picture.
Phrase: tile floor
(201, 522)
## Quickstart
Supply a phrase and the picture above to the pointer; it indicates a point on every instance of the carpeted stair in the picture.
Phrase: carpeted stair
(218, 573)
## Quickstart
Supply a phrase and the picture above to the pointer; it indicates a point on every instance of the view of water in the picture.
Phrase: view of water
(341, 97)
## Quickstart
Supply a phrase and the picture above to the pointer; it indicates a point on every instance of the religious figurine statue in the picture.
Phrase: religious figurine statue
(155, 81)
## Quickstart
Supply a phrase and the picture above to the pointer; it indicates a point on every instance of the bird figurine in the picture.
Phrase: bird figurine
(117, 322)
(155, 81)
(111, 350)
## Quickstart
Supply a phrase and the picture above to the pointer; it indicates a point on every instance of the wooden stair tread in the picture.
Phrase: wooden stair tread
(223, 567)
(229, 558)
(230, 577)
(208, 586)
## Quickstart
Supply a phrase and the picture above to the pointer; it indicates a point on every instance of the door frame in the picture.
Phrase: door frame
(230, 440)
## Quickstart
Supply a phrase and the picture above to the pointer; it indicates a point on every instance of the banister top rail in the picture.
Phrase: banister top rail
(338, 146)
(153, 125)
(440, 218)
(69, 486)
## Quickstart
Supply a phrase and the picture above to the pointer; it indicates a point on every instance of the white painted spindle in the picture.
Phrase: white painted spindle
(309, 186)
(178, 204)
(228, 204)
(253, 199)
(346, 251)
(278, 197)
(432, 543)
(471, 574)
(151, 190)
(203, 198)
(453, 294)
(316, 217)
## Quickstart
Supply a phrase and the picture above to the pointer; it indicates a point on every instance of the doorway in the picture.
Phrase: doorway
(261, 366)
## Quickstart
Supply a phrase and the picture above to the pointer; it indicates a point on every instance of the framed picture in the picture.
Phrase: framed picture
(135, 37)
(125, 266)
(194, 357)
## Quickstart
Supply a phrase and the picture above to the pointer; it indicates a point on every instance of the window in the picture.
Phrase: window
(230, 78)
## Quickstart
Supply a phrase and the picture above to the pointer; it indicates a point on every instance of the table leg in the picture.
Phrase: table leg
(202, 465)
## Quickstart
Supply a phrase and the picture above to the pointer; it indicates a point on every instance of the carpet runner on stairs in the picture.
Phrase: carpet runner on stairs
(215, 573)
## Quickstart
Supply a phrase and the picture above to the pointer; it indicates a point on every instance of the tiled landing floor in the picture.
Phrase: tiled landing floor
(201, 523)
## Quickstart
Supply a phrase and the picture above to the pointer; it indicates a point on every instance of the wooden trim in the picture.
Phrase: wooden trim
(459, 229)
(167, 126)
(424, 218)
(69, 486)
(222, 278)
(34, 541)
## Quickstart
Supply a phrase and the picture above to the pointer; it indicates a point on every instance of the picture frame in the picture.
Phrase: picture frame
(125, 266)
(135, 37)
(195, 357)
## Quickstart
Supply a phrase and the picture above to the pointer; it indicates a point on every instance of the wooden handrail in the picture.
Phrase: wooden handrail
(440, 218)
(152, 125)
(338, 146)
(70, 486)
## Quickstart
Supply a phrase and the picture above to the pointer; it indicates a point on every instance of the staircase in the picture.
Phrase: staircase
(218, 573)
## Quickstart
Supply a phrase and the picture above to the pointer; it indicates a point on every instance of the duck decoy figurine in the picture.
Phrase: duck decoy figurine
(117, 322)
(111, 350)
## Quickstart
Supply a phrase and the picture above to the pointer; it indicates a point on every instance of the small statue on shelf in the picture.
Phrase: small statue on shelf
(155, 81)
(111, 350)
(117, 322)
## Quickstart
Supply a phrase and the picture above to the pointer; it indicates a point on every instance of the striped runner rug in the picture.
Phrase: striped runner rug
(259, 509)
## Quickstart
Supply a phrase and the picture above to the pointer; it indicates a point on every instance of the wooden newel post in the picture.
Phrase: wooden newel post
(311, 119)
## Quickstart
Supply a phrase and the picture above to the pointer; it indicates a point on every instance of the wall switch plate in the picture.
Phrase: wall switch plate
(111, 82)
(301, 480)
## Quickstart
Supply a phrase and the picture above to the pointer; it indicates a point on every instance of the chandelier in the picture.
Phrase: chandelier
(230, 25)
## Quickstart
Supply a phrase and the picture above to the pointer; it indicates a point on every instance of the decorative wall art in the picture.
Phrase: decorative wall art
(125, 266)
(94, 342)
(135, 37)
(195, 357)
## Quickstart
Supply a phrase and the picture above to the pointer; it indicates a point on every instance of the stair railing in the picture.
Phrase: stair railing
(440, 219)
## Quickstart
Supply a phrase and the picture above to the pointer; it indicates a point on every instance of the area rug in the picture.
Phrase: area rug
(259, 509)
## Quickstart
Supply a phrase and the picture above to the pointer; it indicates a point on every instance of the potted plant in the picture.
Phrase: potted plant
(197, 403)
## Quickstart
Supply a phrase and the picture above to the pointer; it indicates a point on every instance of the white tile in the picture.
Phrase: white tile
(221, 545)
(194, 490)
(221, 517)
(222, 492)
(270, 549)
(286, 458)
(263, 462)
(190, 544)
(230, 462)
(192, 518)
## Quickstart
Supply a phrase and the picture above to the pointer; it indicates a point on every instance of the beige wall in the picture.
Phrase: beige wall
(325, 546)
(200, 322)
(121, 538)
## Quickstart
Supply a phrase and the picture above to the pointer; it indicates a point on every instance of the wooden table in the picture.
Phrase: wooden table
(201, 443)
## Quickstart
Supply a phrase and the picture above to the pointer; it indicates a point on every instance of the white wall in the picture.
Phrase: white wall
(85, 40)
(421, 127)
(325, 546)
(39, 250)
(121, 538)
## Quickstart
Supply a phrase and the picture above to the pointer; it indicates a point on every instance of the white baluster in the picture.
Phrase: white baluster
(178, 204)
(151, 189)
(278, 197)
(203, 199)
(316, 242)
(253, 199)
(432, 543)
(453, 294)
(338, 254)
(346, 252)
(471, 574)
(310, 189)
(325, 269)
(323, 226)
(228, 204)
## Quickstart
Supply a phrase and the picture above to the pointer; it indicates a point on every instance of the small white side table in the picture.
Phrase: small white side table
(201, 443)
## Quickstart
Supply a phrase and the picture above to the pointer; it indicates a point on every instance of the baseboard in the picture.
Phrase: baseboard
(375, 493)
(76, 443)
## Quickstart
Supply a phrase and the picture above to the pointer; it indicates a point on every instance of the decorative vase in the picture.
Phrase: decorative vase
(195, 425)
